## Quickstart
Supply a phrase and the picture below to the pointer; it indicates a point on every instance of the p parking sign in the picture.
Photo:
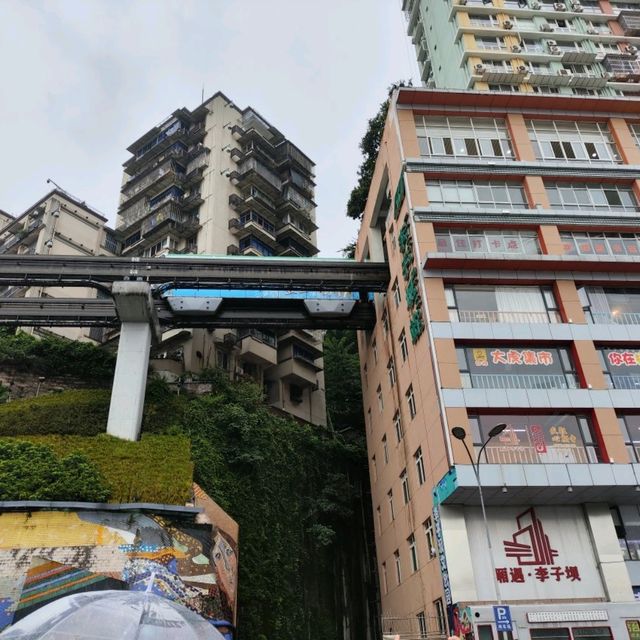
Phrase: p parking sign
(502, 616)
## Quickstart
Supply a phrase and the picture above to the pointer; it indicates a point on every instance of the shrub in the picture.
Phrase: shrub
(30, 471)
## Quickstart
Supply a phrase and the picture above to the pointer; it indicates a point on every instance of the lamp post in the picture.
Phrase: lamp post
(460, 434)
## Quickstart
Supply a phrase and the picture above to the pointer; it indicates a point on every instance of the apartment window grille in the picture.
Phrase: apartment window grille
(385, 579)
(591, 6)
(596, 196)
(484, 22)
(572, 141)
(250, 242)
(515, 4)
(525, 24)
(385, 323)
(488, 195)
(422, 625)
(385, 449)
(561, 25)
(538, 68)
(532, 46)
(396, 560)
(392, 513)
(397, 424)
(420, 472)
(396, 293)
(380, 398)
(261, 221)
(617, 7)
(504, 88)
(440, 615)
(537, 89)
(411, 402)
(404, 348)
(514, 367)
(489, 241)
(599, 28)
(610, 305)
(430, 537)
(490, 44)
(404, 481)
(630, 428)
(601, 244)
(586, 92)
(536, 439)
(391, 370)
(413, 553)
(490, 303)
(463, 137)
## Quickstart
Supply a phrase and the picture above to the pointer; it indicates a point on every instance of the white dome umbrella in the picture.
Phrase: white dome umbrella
(111, 615)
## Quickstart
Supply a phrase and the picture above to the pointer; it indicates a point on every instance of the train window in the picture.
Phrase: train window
(485, 632)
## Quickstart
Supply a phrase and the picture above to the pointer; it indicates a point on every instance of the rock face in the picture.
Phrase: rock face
(21, 384)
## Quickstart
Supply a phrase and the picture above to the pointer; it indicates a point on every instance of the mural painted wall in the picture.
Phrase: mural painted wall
(192, 559)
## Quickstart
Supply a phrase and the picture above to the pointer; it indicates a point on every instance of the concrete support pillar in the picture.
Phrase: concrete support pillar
(139, 325)
(615, 577)
(129, 381)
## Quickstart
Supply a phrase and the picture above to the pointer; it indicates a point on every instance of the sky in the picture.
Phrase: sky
(82, 79)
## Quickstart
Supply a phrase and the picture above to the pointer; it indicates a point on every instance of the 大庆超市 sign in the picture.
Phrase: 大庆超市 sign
(539, 552)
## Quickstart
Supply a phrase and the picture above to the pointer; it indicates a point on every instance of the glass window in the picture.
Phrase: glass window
(413, 553)
(492, 195)
(420, 472)
(440, 615)
(489, 241)
(621, 367)
(550, 634)
(615, 198)
(385, 449)
(609, 305)
(430, 538)
(404, 348)
(537, 438)
(391, 371)
(411, 402)
(614, 244)
(392, 513)
(630, 428)
(397, 423)
(404, 481)
(592, 633)
(396, 559)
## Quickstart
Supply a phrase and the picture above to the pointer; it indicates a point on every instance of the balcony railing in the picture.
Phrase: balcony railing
(625, 382)
(614, 318)
(630, 22)
(253, 165)
(299, 201)
(258, 335)
(530, 454)
(519, 381)
(535, 317)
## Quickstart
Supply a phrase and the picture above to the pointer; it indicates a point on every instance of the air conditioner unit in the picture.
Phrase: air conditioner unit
(507, 24)
(522, 69)
(462, 2)
(631, 50)
(577, 7)
(559, 6)
(479, 69)
(546, 27)
(535, 5)
(556, 51)
(565, 72)
(592, 32)
(516, 48)
(551, 43)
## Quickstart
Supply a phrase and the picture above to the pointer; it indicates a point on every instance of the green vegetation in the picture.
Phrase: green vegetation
(54, 356)
(31, 471)
(369, 145)
(155, 469)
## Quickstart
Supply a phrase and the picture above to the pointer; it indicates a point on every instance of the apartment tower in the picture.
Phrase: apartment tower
(583, 47)
(511, 227)
(222, 180)
(57, 224)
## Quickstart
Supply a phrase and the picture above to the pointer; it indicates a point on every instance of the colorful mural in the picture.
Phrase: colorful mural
(188, 558)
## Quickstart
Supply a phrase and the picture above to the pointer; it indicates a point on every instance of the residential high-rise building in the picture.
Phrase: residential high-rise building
(223, 180)
(511, 226)
(58, 224)
(585, 47)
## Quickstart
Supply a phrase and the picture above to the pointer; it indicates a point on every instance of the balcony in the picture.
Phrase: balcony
(499, 74)
(255, 173)
(549, 78)
(533, 454)
(625, 382)
(196, 133)
(519, 381)
(517, 317)
(139, 160)
(170, 215)
(251, 227)
(253, 199)
(297, 371)
(588, 81)
(301, 240)
(152, 183)
(574, 56)
(192, 200)
(614, 318)
(287, 153)
(258, 347)
(630, 22)
(621, 68)
(292, 200)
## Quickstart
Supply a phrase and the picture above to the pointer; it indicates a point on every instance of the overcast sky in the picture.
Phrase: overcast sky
(82, 79)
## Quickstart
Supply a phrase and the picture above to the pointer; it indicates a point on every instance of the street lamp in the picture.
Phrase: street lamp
(460, 434)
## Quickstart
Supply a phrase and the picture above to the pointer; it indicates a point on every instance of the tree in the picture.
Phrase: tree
(370, 145)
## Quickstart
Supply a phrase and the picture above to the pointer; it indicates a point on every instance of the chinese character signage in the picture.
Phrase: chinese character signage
(504, 360)
(633, 627)
(539, 552)
(621, 358)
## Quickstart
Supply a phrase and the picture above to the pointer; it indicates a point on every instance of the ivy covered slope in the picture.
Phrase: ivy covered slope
(296, 490)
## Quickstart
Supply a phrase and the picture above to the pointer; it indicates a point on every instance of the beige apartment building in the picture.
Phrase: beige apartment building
(58, 224)
(511, 227)
(221, 180)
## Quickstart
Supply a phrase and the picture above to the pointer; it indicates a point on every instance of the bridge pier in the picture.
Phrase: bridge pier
(139, 326)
